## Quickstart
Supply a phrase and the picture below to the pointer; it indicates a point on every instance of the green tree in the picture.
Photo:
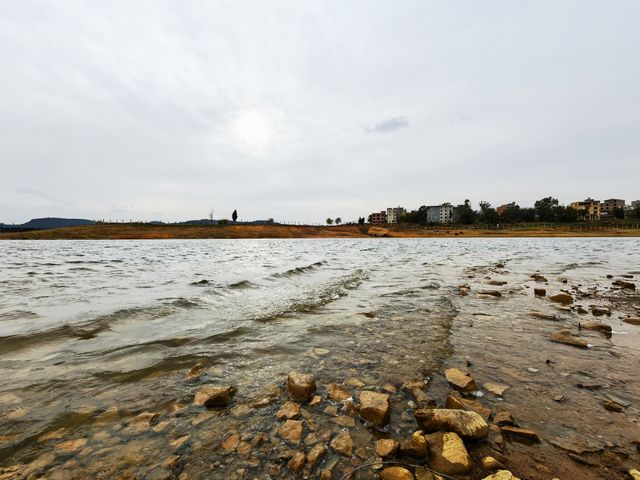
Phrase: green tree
(618, 212)
(544, 209)
(338, 220)
(465, 214)
(487, 213)
(329, 221)
(234, 216)
(360, 220)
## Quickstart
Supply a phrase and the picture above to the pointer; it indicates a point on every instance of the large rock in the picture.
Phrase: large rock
(597, 326)
(564, 336)
(522, 433)
(414, 446)
(300, 386)
(563, 298)
(623, 284)
(464, 423)
(378, 232)
(343, 444)
(448, 453)
(214, 396)
(460, 380)
(501, 475)
(375, 408)
(396, 473)
(337, 393)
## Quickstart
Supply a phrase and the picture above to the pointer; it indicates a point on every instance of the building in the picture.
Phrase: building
(635, 204)
(378, 218)
(440, 213)
(394, 214)
(608, 207)
(503, 208)
(589, 209)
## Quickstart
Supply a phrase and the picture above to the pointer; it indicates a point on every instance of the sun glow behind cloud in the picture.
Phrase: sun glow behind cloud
(253, 132)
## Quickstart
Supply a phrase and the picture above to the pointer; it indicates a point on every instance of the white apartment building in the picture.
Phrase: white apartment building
(440, 213)
(394, 214)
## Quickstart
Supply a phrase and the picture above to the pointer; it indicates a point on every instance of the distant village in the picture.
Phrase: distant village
(545, 210)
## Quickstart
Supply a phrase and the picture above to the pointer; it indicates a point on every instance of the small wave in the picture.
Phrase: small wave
(18, 315)
(242, 284)
(301, 270)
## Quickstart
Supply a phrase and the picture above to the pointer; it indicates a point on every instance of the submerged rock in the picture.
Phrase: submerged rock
(296, 464)
(300, 386)
(464, 423)
(496, 388)
(387, 447)
(195, 371)
(343, 444)
(538, 278)
(337, 393)
(460, 380)
(415, 445)
(289, 411)
(563, 298)
(448, 453)
(214, 396)
(396, 473)
(520, 433)
(490, 463)
(375, 408)
(315, 454)
(291, 431)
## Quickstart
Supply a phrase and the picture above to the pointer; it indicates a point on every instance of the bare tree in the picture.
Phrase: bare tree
(211, 216)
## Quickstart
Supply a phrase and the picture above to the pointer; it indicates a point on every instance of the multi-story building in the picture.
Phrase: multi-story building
(608, 206)
(378, 218)
(440, 213)
(635, 204)
(589, 208)
(394, 214)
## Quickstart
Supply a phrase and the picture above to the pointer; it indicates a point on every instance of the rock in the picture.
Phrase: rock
(300, 386)
(495, 438)
(337, 393)
(342, 443)
(538, 278)
(501, 475)
(354, 382)
(326, 475)
(496, 388)
(396, 473)
(539, 292)
(377, 232)
(289, 411)
(214, 396)
(315, 454)
(620, 401)
(316, 400)
(579, 459)
(520, 433)
(244, 450)
(490, 293)
(563, 298)
(635, 474)
(599, 311)
(195, 371)
(460, 380)
(448, 453)
(632, 321)
(291, 431)
(230, 443)
(624, 285)
(498, 283)
(141, 422)
(423, 399)
(564, 336)
(170, 463)
(415, 445)
(296, 464)
(179, 442)
(375, 407)
(387, 447)
(490, 463)
(582, 311)
(464, 423)
(344, 421)
(612, 406)
(71, 446)
(331, 410)
(503, 417)
(597, 326)
(543, 316)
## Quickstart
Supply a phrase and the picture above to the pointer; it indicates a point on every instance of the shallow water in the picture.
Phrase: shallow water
(86, 326)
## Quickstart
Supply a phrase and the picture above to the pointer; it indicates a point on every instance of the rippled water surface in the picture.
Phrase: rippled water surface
(88, 327)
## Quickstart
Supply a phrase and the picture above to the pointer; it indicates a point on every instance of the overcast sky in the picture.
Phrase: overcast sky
(300, 110)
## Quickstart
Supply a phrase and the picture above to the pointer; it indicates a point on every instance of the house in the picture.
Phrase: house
(589, 209)
(608, 207)
(440, 213)
(394, 214)
(378, 218)
(503, 208)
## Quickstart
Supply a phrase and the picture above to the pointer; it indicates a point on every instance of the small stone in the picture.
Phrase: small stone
(539, 292)
(597, 326)
(342, 444)
(460, 380)
(490, 463)
(396, 473)
(291, 431)
(316, 400)
(195, 371)
(141, 422)
(210, 396)
(326, 475)
(315, 454)
(490, 293)
(520, 433)
(300, 386)
(612, 406)
(375, 408)
(624, 285)
(503, 417)
(415, 445)
(354, 382)
(171, 462)
(344, 421)
(296, 464)
(563, 298)
(501, 475)
(331, 410)
(448, 453)
(337, 393)
(538, 278)
(496, 388)
(71, 446)
(632, 321)
(244, 450)
(635, 474)
(289, 411)
(464, 423)
(600, 311)
(564, 336)
(230, 443)
(387, 447)
(178, 442)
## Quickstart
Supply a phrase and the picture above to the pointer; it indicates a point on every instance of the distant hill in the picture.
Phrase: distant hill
(52, 222)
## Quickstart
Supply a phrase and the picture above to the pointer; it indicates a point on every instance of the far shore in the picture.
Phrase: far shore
(162, 232)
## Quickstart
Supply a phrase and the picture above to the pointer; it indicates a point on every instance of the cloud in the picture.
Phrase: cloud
(389, 125)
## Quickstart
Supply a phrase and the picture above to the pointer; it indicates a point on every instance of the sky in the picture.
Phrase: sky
(301, 110)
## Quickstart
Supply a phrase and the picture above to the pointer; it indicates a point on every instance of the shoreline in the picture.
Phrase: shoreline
(185, 232)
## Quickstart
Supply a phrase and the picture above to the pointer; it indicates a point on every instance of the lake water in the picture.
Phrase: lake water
(88, 327)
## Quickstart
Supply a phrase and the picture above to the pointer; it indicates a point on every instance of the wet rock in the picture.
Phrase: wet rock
(109, 415)
(291, 431)
(490, 293)
(210, 396)
(424, 474)
(396, 473)
(464, 423)
(337, 393)
(170, 463)
(179, 442)
(448, 453)
(415, 445)
(503, 417)
(423, 399)
(612, 406)
(522, 433)
(501, 475)
(300, 386)
(354, 382)
(498, 283)
(460, 380)
(230, 443)
(564, 336)
(495, 437)
(490, 463)
(582, 311)
(496, 388)
(375, 408)
(350, 408)
(343, 444)
(52, 435)
(195, 371)
(632, 321)
(259, 439)
(624, 285)
(289, 411)
(296, 464)
(143, 421)
(244, 450)
(538, 278)
(72, 446)
(597, 326)
(582, 460)
(315, 400)
(387, 447)
(455, 401)
(615, 399)
(326, 475)
(344, 421)
(543, 316)
(635, 474)
(331, 410)
(563, 298)
(600, 311)
(315, 454)
(539, 292)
